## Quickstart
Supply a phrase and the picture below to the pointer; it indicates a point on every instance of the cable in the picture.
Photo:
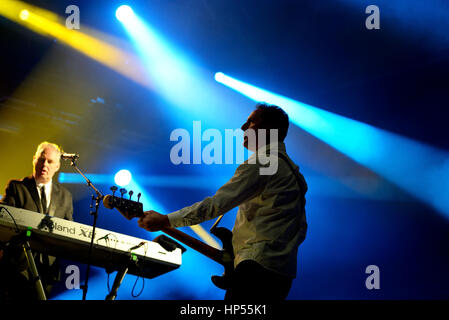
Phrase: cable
(106, 239)
(143, 279)
(12, 217)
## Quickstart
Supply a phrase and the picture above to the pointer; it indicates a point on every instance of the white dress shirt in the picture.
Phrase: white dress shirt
(271, 221)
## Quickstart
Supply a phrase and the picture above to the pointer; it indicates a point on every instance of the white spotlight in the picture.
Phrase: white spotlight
(124, 12)
(122, 178)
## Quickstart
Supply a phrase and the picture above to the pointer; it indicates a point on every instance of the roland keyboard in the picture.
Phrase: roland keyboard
(71, 240)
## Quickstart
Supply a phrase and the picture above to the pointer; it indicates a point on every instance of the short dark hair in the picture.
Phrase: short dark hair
(274, 117)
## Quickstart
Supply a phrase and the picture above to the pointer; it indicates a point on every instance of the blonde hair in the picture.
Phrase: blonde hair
(47, 144)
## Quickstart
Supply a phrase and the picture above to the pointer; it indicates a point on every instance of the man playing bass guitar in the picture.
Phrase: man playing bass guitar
(271, 221)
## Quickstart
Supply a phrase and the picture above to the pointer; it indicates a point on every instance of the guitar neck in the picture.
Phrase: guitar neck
(208, 251)
(130, 209)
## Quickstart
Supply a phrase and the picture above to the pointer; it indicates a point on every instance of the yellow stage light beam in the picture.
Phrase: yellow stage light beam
(12, 9)
(49, 24)
(203, 234)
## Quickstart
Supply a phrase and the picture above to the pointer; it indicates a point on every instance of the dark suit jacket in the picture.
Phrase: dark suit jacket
(23, 194)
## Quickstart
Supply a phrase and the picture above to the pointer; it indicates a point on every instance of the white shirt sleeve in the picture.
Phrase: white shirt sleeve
(244, 185)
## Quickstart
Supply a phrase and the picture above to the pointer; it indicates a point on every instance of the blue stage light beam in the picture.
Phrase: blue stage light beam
(163, 62)
(175, 76)
(417, 168)
(75, 178)
(122, 178)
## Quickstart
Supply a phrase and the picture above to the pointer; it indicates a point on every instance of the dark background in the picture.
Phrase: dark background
(316, 52)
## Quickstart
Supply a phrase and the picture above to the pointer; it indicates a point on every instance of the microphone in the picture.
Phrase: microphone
(69, 156)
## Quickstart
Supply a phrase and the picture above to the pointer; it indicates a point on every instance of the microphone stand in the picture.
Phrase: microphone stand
(97, 199)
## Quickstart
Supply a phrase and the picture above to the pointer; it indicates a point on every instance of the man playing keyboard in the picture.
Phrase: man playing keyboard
(37, 193)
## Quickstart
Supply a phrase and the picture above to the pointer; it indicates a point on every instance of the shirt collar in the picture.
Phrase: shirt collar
(277, 146)
(46, 185)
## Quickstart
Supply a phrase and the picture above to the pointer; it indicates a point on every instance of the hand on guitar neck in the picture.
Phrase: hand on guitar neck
(153, 221)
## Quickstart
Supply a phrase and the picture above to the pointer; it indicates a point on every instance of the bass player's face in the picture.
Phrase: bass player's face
(254, 122)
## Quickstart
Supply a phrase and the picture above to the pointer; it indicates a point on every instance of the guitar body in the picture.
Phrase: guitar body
(225, 236)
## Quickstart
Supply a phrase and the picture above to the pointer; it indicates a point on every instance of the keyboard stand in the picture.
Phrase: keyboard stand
(32, 267)
(117, 282)
(119, 278)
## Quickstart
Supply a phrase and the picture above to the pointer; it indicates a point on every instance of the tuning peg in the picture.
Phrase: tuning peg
(122, 191)
(113, 189)
(130, 194)
(138, 196)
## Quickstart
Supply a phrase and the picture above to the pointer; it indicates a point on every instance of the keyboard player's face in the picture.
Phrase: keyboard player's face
(46, 165)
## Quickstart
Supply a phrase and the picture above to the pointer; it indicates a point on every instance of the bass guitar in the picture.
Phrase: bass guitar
(134, 209)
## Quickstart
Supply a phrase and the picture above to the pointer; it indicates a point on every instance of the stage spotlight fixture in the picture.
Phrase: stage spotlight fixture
(219, 77)
(122, 178)
(24, 14)
(124, 12)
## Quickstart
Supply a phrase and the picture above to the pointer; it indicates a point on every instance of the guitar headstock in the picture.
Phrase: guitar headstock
(127, 207)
